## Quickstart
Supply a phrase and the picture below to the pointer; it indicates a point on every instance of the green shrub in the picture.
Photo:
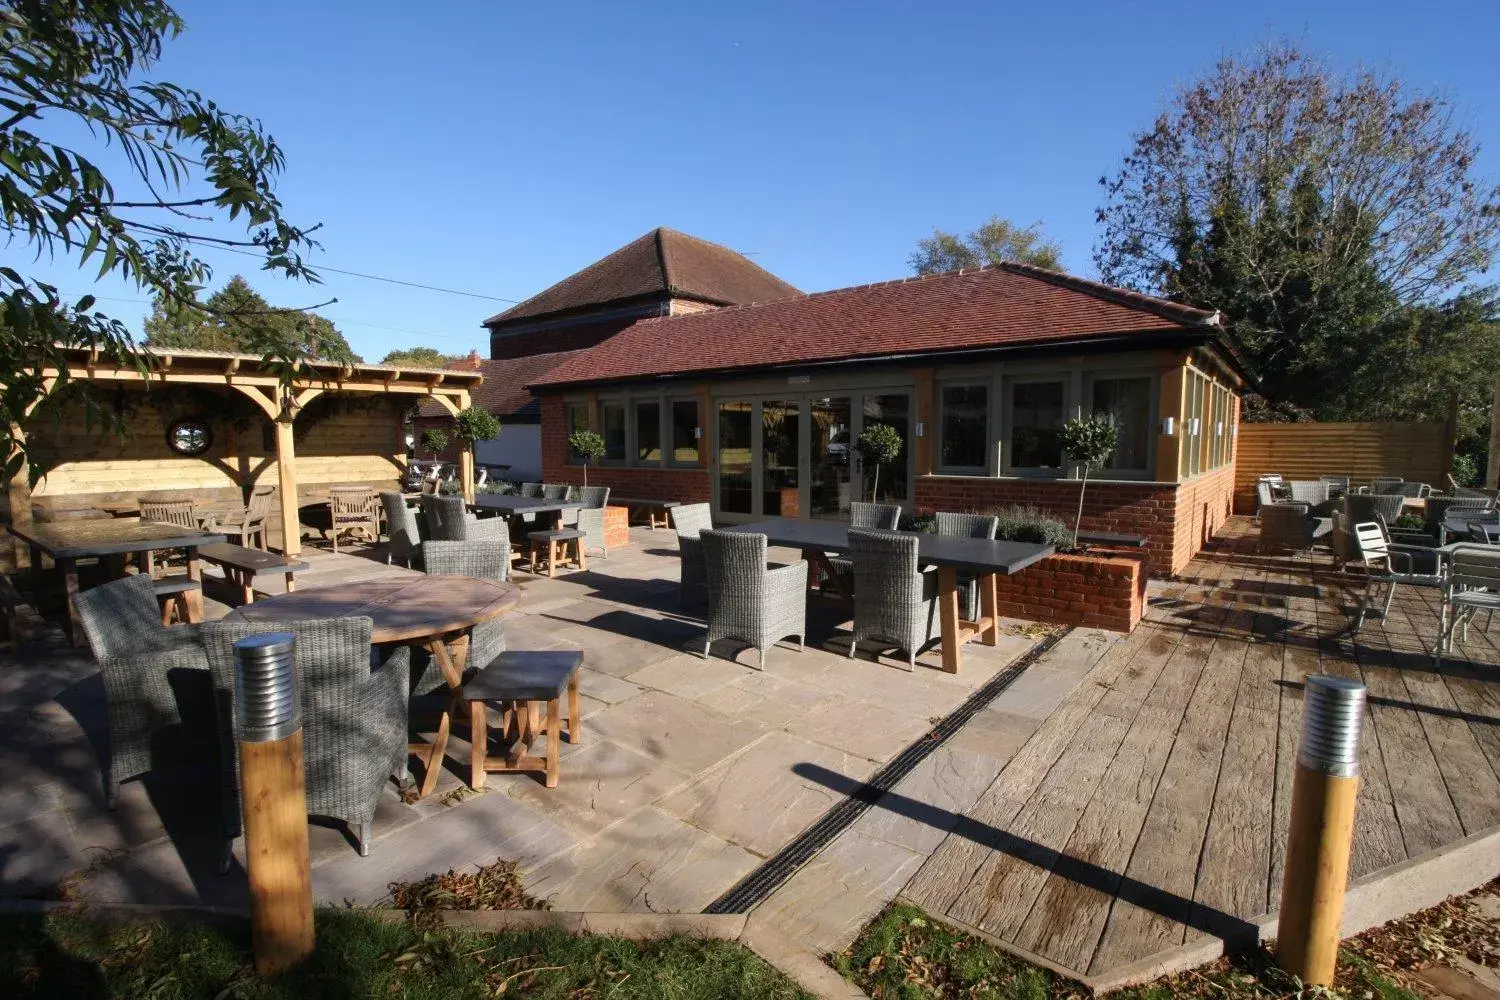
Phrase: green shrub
(1465, 470)
(1029, 524)
(434, 440)
(475, 424)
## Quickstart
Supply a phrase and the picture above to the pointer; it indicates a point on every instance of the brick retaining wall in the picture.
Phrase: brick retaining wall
(1102, 591)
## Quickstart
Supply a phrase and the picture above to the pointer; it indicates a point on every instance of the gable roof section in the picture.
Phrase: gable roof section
(663, 263)
(503, 391)
(1007, 305)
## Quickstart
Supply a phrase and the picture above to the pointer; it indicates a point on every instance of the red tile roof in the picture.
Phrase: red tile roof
(663, 263)
(503, 391)
(1001, 306)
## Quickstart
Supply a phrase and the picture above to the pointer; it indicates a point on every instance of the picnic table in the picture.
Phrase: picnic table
(982, 557)
(650, 507)
(109, 541)
(434, 613)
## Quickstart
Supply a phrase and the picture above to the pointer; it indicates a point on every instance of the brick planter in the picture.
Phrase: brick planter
(616, 527)
(1102, 590)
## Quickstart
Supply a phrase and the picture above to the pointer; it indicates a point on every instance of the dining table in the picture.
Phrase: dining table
(985, 558)
(435, 613)
(110, 541)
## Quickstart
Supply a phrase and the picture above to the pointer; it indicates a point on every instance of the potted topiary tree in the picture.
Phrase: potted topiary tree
(1089, 441)
(434, 439)
(473, 424)
(588, 446)
(879, 444)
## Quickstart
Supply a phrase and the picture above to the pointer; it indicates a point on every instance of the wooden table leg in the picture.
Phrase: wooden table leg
(575, 715)
(291, 584)
(36, 578)
(948, 612)
(988, 599)
(583, 557)
(69, 570)
(551, 558)
(478, 743)
(452, 656)
(554, 740)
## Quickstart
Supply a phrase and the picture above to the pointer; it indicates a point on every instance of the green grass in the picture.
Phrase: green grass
(904, 954)
(356, 956)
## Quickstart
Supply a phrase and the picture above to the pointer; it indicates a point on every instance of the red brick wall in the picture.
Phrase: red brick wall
(686, 485)
(1203, 504)
(1135, 508)
(1099, 591)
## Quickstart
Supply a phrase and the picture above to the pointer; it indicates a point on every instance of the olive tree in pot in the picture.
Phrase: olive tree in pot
(1089, 441)
(434, 440)
(879, 444)
(473, 424)
(588, 446)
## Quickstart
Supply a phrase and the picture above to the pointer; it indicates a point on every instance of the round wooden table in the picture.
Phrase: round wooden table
(431, 612)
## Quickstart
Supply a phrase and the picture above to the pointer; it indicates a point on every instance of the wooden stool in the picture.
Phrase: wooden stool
(521, 680)
(181, 599)
(557, 544)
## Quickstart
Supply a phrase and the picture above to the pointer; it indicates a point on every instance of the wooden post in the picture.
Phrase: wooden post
(466, 472)
(1321, 829)
(1169, 446)
(286, 470)
(273, 793)
(1492, 471)
(922, 442)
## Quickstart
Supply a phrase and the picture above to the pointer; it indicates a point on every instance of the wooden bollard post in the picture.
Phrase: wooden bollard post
(1321, 829)
(273, 791)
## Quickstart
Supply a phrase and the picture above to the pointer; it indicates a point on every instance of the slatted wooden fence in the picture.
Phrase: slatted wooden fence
(1413, 451)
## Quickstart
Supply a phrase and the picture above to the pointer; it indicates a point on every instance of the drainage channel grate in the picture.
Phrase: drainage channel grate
(764, 880)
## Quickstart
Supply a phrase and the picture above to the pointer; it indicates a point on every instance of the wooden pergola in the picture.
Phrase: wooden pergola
(248, 375)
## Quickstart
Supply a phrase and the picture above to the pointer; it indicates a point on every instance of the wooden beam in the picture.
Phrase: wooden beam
(705, 425)
(922, 442)
(595, 423)
(447, 401)
(232, 367)
(286, 471)
(267, 405)
(306, 396)
(1169, 446)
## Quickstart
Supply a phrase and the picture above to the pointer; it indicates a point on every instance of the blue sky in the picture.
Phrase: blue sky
(495, 147)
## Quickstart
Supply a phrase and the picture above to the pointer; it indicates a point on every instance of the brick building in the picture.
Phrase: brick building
(756, 408)
(663, 273)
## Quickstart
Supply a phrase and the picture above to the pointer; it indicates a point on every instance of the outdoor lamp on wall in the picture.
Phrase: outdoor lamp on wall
(921, 428)
(1168, 426)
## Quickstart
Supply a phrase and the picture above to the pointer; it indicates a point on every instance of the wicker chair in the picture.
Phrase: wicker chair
(1264, 496)
(354, 727)
(1385, 484)
(689, 521)
(967, 526)
(248, 525)
(1286, 526)
(447, 521)
(1337, 485)
(1438, 509)
(486, 560)
(1362, 507)
(590, 520)
(562, 491)
(532, 491)
(897, 602)
(747, 600)
(1472, 586)
(1309, 491)
(882, 516)
(1414, 491)
(401, 526)
(148, 672)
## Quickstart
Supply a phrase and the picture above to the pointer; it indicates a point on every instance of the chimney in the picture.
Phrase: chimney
(472, 361)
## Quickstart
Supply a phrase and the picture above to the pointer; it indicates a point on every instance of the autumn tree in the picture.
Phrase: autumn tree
(995, 241)
(74, 80)
(1316, 210)
(238, 318)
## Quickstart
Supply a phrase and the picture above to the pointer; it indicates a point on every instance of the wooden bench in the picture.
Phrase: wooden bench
(650, 507)
(181, 599)
(241, 565)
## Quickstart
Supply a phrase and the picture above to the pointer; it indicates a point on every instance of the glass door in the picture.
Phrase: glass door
(780, 447)
(733, 446)
(830, 453)
(889, 482)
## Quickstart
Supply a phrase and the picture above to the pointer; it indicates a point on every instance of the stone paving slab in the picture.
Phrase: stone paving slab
(875, 732)
(650, 862)
(687, 676)
(602, 783)
(674, 729)
(918, 813)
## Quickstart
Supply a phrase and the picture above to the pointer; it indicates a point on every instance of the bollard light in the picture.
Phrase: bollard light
(273, 796)
(1325, 785)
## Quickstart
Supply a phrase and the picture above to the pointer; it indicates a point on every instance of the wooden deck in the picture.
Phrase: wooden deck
(1151, 808)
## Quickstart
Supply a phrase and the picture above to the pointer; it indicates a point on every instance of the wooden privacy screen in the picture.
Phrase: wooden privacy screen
(1414, 451)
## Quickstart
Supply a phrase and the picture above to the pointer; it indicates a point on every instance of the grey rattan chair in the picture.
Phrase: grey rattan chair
(747, 600)
(447, 521)
(1286, 526)
(534, 492)
(689, 520)
(1309, 491)
(884, 516)
(354, 728)
(1438, 509)
(896, 603)
(590, 520)
(148, 672)
(967, 526)
(1264, 496)
(1362, 507)
(486, 560)
(1386, 484)
(1337, 485)
(1414, 491)
(401, 527)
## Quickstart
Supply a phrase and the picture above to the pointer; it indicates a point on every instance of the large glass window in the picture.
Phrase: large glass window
(578, 420)
(888, 483)
(1037, 413)
(648, 431)
(732, 438)
(1192, 425)
(612, 416)
(780, 437)
(1128, 400)
(964, 427)
(685, 432)
(829, 425)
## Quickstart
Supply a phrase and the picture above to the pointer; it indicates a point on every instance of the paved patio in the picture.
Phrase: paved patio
(1117, 797)
(691, 772)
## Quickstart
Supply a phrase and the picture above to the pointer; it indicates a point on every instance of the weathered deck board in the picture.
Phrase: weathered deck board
(1151, 807)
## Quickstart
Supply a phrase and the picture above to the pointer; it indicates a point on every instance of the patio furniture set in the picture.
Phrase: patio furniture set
(912, 588)
(1455, 548)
